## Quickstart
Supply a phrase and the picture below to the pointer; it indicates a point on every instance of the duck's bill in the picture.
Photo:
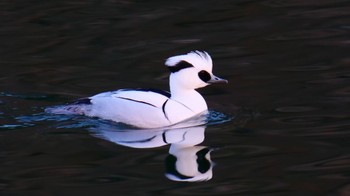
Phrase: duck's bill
(216, 80)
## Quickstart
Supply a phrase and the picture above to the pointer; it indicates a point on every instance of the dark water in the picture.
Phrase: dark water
(287, 63)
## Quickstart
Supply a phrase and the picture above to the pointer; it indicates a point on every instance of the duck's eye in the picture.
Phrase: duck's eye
(204, 75)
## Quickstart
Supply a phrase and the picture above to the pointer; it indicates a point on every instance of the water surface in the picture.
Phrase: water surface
(287, 63)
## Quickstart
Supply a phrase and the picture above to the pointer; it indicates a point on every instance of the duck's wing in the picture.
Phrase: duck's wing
(151, 97)
(138, 107)
(135, 97)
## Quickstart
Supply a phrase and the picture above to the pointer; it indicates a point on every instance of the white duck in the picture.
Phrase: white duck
(149, 108)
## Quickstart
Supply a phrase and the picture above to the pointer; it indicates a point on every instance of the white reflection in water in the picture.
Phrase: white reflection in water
(186, 160)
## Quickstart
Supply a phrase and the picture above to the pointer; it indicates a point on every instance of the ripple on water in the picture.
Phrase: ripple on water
(215, 117)
(245, 150)
(294, 109)
(307, 68)
(304, 117)
(13, 126)
(334, 163)
(293, 3)
(312, 119)
(34, 96)
(306, 35)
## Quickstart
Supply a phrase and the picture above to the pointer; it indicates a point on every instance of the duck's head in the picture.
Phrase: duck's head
(192, 70)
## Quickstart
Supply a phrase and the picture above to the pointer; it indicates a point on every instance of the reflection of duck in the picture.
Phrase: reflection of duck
(185, 162)
(189, 163)
(149, 108)
(151, 138)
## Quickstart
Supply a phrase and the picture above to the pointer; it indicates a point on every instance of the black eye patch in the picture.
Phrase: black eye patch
(204, 75)
(180, 65)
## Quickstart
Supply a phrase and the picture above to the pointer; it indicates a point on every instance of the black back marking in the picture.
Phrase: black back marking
(180, 65)
(137, 101)
(164, 137)
(204, 76)
(165, 93)
(139, 141)
(163, 109)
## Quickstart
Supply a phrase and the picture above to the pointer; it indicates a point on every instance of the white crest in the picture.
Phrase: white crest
(198, 59)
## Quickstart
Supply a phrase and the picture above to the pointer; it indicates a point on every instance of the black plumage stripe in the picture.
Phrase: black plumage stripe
(139, 141)
(165, 93)
(164, 138)
(137, 101)
(180, 65)
(163, 109)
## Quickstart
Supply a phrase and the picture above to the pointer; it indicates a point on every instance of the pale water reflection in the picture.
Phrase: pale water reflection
(187, 161)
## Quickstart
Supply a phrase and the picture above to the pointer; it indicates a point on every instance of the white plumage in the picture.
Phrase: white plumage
(148, 108)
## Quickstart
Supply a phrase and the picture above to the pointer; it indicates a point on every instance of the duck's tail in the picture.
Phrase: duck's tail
(79, 107)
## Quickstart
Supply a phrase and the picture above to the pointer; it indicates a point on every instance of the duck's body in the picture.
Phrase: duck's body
(148, 108)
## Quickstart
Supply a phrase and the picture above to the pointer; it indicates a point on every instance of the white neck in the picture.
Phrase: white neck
(188, 97)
